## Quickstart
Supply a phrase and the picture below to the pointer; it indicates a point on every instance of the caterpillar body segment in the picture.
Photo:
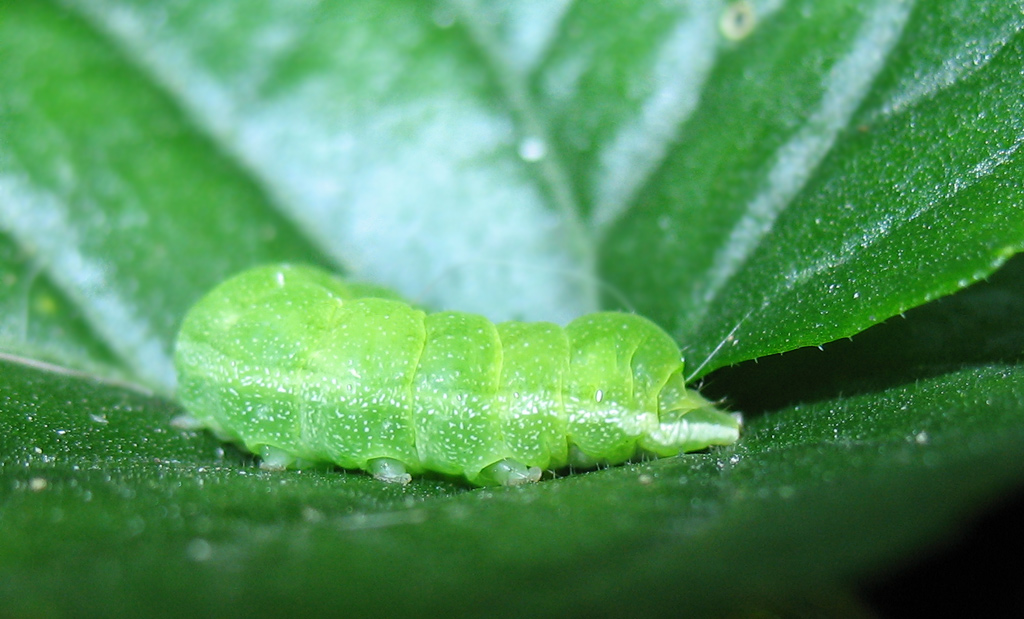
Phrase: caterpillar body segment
(303, 368)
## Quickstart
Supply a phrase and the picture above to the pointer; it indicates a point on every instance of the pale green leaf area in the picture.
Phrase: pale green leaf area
(762, 178)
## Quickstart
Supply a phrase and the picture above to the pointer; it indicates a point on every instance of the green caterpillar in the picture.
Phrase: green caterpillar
(301, 368)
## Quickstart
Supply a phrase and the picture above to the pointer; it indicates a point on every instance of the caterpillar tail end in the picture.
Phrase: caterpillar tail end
(687, 422)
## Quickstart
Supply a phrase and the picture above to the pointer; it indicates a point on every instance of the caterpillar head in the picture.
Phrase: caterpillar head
(687, 421)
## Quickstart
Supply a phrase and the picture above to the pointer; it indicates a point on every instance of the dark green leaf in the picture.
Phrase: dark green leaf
(841, 170)
(135, 511)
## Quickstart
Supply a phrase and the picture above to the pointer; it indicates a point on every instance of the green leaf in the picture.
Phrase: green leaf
(756, 176)
(110, 196)
(132, 506)
(839, 172)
